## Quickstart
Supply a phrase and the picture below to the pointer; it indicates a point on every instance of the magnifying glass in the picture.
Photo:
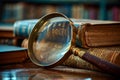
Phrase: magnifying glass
(52, 41)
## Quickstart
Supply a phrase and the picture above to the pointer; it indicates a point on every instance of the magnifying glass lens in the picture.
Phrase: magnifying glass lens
(52, 41)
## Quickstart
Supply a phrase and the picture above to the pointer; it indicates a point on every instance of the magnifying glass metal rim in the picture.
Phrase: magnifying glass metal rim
(34, 32)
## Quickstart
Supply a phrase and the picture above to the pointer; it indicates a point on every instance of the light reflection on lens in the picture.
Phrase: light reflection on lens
(52, 41)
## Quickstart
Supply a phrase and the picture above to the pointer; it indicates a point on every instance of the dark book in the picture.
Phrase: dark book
(12, 54)
(6, 30)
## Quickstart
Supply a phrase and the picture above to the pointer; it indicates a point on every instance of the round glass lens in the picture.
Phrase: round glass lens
(52, 41)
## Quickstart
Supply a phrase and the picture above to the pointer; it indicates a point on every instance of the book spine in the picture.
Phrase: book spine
(110, 54)
(8, 41)
(24, 28)
(116, 13)
(93, 13)
(109, 14)
(65, 9)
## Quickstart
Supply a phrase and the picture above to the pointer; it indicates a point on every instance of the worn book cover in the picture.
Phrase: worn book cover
(12, 54)
(99, 34)
(110, 54)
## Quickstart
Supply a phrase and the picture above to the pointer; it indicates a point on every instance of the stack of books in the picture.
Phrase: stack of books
(6, 34)
(99, 38)
(10, 46)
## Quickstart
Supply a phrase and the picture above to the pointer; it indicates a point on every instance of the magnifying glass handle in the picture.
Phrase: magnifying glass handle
(100, 63)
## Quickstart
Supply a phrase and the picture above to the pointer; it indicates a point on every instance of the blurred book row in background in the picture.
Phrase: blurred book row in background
(93, 9)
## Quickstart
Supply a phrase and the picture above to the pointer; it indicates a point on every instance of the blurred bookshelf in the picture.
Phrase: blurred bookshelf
(13, 10)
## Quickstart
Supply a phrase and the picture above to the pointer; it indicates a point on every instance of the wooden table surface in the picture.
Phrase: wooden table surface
(30, 71)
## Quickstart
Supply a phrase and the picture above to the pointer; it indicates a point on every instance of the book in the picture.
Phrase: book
(115, 13)
(9, 41)
(65, 9)
(23, 28)
(93, 12)
(6, 30)
(98, 34)
(12, 54)
(7, 35)
(110, 54)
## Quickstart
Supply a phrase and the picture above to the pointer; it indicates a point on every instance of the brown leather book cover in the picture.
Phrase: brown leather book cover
(99, 34)
(110, 54)
(8, 34)
(12, 54)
